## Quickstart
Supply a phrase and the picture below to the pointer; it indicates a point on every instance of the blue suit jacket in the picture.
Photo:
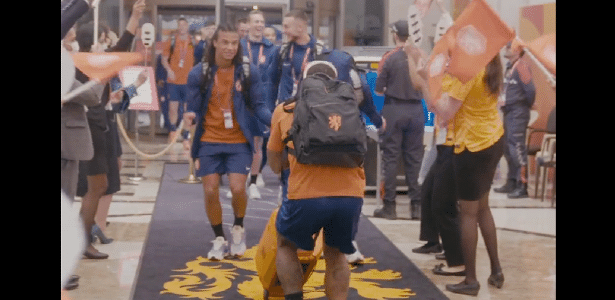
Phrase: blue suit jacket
(269, 52)
(197, 102)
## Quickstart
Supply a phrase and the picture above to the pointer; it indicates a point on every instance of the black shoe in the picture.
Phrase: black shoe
(508, 187)
(496, 280)
(438, 271)
(71, 285)
(92, 253)
(387, 212)
(464, 288)
(519, 192)
(436, 248)
(97, 233)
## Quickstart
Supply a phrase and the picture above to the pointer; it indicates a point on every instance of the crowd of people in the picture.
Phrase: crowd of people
(235, 85)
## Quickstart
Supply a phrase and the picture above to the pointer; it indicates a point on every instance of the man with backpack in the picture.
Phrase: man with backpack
(288, 65)
(321, 193)
(178, 59)
(221, 89)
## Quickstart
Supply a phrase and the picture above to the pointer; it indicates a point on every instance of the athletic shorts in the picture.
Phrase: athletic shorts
(177, 92)
(224, 158)
(299, 220)
(474, 171)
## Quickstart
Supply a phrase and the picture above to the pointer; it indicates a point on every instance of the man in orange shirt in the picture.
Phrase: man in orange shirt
(223, 142)
(178, 59)
(319, 196)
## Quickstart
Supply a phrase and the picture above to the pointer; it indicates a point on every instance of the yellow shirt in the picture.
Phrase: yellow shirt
(313, 181)
(477, 124)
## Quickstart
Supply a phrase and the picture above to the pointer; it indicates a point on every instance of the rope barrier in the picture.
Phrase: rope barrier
(141, 153)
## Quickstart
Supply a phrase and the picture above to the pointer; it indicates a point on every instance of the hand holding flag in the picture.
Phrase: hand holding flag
(99, 67)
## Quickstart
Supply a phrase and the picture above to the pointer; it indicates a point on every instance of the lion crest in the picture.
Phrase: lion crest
(335, 121)
(205, 279)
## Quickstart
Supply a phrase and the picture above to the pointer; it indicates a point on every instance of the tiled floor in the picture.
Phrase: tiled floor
(526, 238)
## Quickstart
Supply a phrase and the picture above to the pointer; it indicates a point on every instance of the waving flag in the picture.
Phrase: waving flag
(543, 48)
(437, 64)
(101, 66)
(479, 35)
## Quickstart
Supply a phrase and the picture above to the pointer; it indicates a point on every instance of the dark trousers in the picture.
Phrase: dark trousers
(403, 137)
(516, 120)
(439, 212)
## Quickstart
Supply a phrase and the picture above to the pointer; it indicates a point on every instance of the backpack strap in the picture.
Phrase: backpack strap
(206, 71)
(245, 82)
(172, 48)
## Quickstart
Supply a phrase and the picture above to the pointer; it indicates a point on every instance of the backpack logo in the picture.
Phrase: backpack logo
(335, 121)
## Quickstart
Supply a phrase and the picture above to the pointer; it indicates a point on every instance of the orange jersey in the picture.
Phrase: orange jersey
(313, 181)
(182, 59)
(219, 103)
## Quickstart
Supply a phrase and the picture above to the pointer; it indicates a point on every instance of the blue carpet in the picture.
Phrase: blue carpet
(174, 263)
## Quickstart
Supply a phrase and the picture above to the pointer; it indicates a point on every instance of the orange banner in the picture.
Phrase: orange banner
(436, 66)
(543, 49)
(479, 35)
(102, 66)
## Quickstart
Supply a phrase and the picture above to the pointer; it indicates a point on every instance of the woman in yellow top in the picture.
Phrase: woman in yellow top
(471, 108)
(470, 111)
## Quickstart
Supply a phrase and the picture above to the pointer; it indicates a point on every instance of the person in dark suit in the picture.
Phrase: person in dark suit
(102, 171)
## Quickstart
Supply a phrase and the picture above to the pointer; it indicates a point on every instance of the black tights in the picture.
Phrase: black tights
(475, 214)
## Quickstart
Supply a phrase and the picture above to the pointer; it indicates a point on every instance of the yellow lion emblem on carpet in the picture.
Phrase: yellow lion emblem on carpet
(205, 279)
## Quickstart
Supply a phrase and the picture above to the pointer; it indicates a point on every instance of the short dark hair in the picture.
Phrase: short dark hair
(242, 20)
(85, 35)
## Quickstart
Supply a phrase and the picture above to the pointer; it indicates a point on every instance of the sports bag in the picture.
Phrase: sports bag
(327, 128)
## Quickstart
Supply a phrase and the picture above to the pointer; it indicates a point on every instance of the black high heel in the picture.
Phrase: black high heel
(97, 233)
(496, 280)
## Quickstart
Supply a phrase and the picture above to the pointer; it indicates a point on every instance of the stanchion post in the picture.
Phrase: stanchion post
(137, 176)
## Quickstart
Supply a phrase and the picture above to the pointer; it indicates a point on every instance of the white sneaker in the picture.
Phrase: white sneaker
(238, 236)
(356, 257)
(259, 181)
(220, 249)
(253, 192)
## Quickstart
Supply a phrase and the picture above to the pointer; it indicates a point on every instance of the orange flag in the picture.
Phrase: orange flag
(101, 66)
(543, 48)
(437, 64)
(479, 35)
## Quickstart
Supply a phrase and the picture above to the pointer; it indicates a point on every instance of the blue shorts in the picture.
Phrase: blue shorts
(299, 220)
(224, 158)
(177, 92)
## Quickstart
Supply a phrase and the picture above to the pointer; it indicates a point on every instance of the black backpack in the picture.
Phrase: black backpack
(327, 128)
